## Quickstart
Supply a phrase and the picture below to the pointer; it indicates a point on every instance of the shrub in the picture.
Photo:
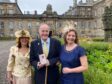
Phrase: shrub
(97, 76)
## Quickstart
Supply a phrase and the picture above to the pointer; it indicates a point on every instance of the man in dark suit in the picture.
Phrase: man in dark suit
(53, 51)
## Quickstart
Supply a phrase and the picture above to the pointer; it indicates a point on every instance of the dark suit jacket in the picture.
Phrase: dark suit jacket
(53, 57)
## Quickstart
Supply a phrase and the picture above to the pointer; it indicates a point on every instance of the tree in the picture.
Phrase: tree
(107, 21)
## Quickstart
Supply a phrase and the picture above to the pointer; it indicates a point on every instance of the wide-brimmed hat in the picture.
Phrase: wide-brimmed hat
(22, 33)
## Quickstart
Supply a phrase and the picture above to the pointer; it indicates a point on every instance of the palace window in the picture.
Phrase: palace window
(59, 24)
(20, 25)
(110, 35)
(89, 24)
(1, 25)
(11, 25)
(95, 24)
(82, 24)
(75, 24)
(10, 11)
(89, 11)
(82, 11)
(1, 11)
(29, 25)
(79, 25)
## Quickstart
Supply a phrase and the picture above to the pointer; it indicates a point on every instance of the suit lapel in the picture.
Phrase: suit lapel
(40, 47)
(50, 47)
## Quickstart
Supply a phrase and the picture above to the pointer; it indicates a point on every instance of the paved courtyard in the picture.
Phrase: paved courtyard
(4, 51)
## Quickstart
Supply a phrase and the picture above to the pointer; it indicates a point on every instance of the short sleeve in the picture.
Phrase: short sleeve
(11, 59)
(82, 52)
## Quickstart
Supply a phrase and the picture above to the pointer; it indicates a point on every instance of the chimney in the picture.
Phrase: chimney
(35, 12)
(16, 1)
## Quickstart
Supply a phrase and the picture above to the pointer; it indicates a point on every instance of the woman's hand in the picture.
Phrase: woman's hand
(9, 76)
(66, 70)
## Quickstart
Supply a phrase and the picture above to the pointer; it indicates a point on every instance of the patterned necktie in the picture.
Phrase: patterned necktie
(45, 49)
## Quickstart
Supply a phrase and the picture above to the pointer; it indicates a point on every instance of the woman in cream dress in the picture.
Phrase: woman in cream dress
(19, 68)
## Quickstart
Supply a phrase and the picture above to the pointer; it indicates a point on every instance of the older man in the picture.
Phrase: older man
(47, 72)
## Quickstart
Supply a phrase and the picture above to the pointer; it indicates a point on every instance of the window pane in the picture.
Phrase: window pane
(11, 11)
(11, 25)
(1, 25)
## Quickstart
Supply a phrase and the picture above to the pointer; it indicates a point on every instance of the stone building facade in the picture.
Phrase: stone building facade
(95, 9)
(86, 18)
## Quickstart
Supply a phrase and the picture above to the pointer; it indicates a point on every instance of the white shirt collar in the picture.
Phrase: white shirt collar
(47, 41)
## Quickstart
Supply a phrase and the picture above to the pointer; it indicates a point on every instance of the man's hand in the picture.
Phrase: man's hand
(39, 65)
(47, 62)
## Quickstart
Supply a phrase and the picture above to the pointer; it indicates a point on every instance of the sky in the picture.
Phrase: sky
(60, 6)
